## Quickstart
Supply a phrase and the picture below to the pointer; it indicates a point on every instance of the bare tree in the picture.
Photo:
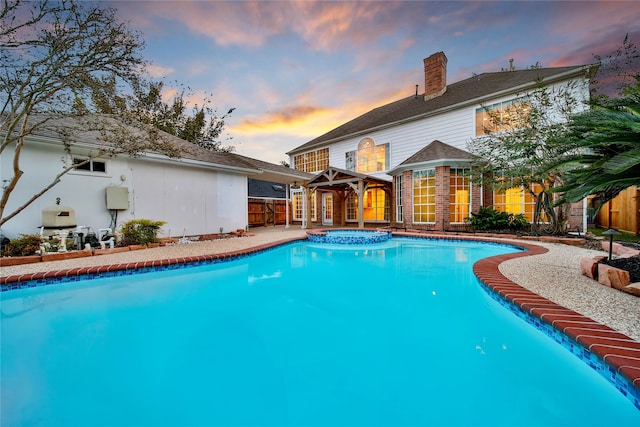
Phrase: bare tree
(56, 57)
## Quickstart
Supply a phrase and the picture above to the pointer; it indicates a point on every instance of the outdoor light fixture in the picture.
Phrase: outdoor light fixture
(610, 232)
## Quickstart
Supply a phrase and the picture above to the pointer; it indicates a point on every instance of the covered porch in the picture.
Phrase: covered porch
(339, 183)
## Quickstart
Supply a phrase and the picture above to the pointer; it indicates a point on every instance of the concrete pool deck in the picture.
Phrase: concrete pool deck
(600, 318)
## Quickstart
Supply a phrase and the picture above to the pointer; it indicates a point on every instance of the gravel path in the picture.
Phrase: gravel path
(554, 275)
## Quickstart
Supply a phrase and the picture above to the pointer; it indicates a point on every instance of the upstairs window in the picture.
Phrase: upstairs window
(313, 161)
(502, 116)
(368, 158)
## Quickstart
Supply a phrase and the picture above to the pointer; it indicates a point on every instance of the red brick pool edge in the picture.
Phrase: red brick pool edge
(617, 350)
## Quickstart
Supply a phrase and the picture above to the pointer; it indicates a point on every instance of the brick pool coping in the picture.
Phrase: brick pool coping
(620, 352)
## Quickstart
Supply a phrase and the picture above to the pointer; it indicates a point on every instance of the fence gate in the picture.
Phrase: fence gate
(265, 212)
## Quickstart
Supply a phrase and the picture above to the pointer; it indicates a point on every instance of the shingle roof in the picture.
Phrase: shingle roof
(82, 135)
(271, 167)
(476, 89)
(438, 150)
(433, 153)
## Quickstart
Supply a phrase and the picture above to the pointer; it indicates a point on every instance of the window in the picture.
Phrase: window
(352, 207)
(90, 166)
(399, 216)
(459, 194)
(313, 161)
(517, 200)
(368, 157)
(298, 212)
(502, 116)
(376, 206)
(424, 196)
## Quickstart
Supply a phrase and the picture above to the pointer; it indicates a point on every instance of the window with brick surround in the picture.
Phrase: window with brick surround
(424, 196)
(399, 216)
(516, 200)
(459, 194)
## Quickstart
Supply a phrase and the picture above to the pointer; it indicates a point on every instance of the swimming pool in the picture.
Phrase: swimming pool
(304, 334)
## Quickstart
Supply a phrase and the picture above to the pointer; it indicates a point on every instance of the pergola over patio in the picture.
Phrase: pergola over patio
(341, 181)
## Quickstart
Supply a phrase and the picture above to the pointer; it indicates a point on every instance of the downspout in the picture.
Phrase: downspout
(584, 216)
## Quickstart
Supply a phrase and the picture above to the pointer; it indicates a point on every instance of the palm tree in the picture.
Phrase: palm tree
(602, 153)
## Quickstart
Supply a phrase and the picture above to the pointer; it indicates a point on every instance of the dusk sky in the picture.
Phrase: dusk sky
(294, 70)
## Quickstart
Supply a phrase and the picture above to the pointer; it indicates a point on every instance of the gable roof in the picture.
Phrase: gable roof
(474, 90)
(436, 153)
(89, 137)
(343, 179)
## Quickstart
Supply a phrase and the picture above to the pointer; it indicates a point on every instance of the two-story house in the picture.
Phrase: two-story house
(406, 164)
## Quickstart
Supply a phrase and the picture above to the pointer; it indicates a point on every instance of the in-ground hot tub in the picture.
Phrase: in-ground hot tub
(348, 237)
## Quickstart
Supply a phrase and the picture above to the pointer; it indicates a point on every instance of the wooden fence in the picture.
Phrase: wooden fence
(265, 212)
(622, 213)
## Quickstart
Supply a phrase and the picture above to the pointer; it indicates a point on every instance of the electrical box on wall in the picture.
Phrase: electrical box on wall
(117, 198)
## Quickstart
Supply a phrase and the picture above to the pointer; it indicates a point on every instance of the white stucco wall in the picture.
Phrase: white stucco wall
(197, 200)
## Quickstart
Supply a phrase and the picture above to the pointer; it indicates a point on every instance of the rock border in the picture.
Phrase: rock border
(610, 276)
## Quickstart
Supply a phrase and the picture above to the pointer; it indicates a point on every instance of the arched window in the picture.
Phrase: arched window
(368, 158)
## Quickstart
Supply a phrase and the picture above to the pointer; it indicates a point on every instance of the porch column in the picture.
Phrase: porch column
(286, 206)
(360, 204)
(308, 205)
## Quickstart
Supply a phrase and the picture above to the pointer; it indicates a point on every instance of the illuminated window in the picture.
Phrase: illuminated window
(399, 216)
(375, 208)
(313, 161)
(424, 196)
(517, 200)
(298, 212)
(459, 194)
(368, 157)
(502, 116)
(352, 207)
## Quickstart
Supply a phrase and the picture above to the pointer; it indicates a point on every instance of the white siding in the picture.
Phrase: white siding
(455, 128)
(200, 200)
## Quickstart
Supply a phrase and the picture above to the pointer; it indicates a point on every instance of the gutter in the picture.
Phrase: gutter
(437, 162)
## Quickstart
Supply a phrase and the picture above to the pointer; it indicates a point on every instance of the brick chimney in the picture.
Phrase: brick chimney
(435, 75)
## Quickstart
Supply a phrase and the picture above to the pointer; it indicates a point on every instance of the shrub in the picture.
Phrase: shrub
(140, 232)
(26, 244)
(487, 218)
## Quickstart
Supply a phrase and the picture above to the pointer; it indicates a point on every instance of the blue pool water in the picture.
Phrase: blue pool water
(302, 335)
